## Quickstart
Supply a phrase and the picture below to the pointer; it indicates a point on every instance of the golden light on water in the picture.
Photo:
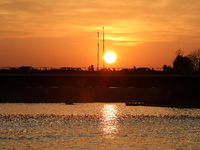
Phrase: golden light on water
(109, 120)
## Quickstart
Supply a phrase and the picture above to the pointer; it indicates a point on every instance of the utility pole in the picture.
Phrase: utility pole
(103, 50)
(98, 52)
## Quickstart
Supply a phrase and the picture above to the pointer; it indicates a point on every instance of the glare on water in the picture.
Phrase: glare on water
(109, 120)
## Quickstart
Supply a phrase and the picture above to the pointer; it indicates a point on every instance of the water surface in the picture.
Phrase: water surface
(97, 126)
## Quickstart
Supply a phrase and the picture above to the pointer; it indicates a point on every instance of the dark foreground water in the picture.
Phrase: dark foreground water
(97, 126)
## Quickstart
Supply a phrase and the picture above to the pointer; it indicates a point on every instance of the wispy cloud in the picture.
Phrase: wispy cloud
(125, 21)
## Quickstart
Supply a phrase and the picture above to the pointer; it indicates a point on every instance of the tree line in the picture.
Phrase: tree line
(185, 64)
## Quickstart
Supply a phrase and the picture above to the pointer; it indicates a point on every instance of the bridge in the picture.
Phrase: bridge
(78, 85)
(100, 79)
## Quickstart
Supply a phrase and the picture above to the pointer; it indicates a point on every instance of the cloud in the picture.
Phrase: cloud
(127, 43)
(7, 33)
(124, 20)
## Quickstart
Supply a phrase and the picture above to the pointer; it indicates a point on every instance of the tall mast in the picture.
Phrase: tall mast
(98, 52)
(103, 50)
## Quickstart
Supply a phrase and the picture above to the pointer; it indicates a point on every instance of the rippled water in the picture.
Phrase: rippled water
(97, 126)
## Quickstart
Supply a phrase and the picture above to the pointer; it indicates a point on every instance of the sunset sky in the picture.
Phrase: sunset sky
(63, 33)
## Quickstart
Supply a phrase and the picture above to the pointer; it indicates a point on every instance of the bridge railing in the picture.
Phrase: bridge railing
(78, 68)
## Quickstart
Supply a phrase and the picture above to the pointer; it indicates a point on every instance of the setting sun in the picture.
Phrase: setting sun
(110, 57)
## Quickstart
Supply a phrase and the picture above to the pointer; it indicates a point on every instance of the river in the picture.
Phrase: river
(97, 126)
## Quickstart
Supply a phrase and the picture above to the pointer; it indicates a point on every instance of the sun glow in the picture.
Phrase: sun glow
(110, 57)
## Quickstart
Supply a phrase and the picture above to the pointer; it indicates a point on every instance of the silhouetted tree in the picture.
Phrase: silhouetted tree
(194, 57)
(179, 52)
(182, 63)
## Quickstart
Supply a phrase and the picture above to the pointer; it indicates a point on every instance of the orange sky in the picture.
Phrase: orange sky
(53, 33)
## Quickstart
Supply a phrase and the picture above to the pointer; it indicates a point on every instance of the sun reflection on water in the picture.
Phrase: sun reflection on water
(109, 120)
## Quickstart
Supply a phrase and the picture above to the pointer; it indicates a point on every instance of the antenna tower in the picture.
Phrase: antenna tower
(98, 52)
(103, 50)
